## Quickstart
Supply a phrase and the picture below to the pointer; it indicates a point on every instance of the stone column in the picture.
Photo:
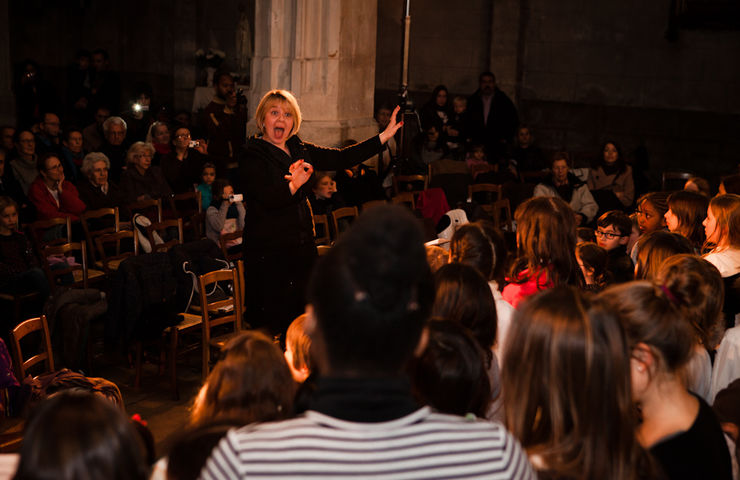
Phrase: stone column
(7, 102)
(184, 29)
(324, 52)
(505, 52)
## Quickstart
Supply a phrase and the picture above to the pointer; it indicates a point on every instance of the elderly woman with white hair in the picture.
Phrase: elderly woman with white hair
(142, 181)
(96, 188)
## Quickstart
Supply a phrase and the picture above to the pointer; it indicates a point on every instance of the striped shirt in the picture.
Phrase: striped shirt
(422, 445)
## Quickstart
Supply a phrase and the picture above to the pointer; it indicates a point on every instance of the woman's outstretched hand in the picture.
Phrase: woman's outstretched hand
(300, 172)
(392, 127)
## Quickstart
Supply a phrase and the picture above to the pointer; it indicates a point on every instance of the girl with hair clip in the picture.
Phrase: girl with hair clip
(576, 420)
(722, 229)
(472, 245)
(463, 296)
(678, 427)
(697, 288)
(654, 248)
(685, 216)
(546, 244)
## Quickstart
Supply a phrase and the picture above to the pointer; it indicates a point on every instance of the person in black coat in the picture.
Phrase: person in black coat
(278, 241)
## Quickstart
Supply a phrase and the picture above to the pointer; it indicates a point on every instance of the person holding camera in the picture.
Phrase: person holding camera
(226, 213)
(183, 165)
(275, 166)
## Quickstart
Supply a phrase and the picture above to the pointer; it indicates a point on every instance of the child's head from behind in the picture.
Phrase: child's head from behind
(470, 245)
(252, 383)
(654, 248)
(560, 344)
(76, 435)
(298, 349)
(614, 228)
(208, 173)
(592, 260)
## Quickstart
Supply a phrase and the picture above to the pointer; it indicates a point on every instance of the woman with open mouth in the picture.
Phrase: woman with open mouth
(275, 166)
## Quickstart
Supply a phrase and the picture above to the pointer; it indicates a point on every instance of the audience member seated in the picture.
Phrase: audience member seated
(654, 248)
(457, 135)
(526, 156)
(98, 441)
(546, 240)
(612, 234)
(476, 160)
(474, 244)
(429, 146)
(362, 397)
(610, 180)
(207, 177)
(685, 216)
(464, 297)
(492, 118)
(159, 136)
(569, 343)
(225, 122)
(437, 110)
(47, 138)
(722, 229)
(24, 165)
(19, 269)
(324, 197)
(698, 290)
(72, 153)
(53, 195)
(142, 181)
(93, 135)
(9, 187)
(139, 118)
(564, 184)
(7, 136)
(699, 185)
(592, 260)
(182, 167)
(730, 184)
(225, 214)
(115, 146)
(96, 189)
(678, 428)
(451, 375)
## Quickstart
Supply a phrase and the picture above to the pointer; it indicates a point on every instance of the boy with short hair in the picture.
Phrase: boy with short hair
(612, 233)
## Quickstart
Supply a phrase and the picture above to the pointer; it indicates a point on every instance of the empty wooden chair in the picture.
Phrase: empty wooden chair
(96, 223)
(113, 248)
(341, 218)
(45, 355)
(165, 229)
(321, 227)
(225, 241)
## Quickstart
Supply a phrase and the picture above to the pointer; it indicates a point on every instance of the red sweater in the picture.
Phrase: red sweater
(70, 204)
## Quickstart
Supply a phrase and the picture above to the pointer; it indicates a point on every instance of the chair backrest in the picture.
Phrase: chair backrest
(99, 222)
(674, 180)
(224, 240)
(412, 180)
(345, 213)
(321, 226)
(79, 271)
(405, 198)
(372, 203)
(46, 232)
(110, 251)
(221, 311)
(160, 228)
(146, 207)
(188, 203)
(503, 207)
(45, 355)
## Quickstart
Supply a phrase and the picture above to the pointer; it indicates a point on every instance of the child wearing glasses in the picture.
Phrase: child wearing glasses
(612, 234)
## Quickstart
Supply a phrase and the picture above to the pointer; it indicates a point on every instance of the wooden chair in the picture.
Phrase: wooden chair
(80, 272)
(110, 250)
(371, 204)
(405, 198)
(323, 249)
(152, 209)
(413, 180)
(213, 314)
(189, 207)
(46, 355)
(38, 232)
(161, 229)
(346, 213)
(224, 240)
(321, 226)
(486, 194)
(96, 223)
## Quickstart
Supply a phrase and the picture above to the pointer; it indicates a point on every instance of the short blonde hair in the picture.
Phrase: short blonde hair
(136, 149)
(284, 98)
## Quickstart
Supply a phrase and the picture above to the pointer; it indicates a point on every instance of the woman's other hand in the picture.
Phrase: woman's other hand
(392, 127)
(300, 172)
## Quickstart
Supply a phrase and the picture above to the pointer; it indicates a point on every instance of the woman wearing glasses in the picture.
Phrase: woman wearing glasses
(182, 166)
(142, 181)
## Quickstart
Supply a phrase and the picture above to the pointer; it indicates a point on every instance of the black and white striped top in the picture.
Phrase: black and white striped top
(422, 445)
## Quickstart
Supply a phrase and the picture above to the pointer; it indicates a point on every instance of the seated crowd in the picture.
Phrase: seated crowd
(596, 339)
